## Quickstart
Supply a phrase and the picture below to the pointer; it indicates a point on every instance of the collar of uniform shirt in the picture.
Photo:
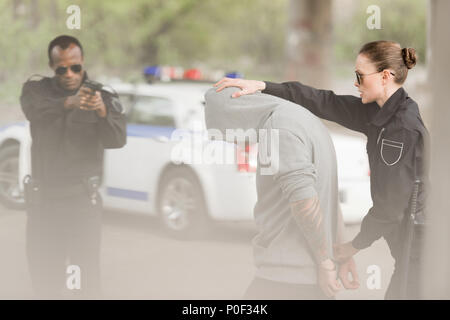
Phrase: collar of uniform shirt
(390, 107)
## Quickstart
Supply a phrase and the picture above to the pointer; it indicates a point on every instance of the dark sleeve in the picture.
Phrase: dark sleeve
(113, 128)
(38, 105)
(346, 110)
(394, 185)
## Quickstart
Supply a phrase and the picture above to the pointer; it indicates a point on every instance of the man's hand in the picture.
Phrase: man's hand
(246, 86)
(308, 216)
(327, 278)
(90, 101)
(345, 270)
(86, 100)
(343, 252)
(73, 102)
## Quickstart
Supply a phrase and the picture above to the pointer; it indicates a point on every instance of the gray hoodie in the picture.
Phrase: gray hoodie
(306, 167)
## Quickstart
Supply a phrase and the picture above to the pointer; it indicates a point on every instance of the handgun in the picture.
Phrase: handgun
(93, 85)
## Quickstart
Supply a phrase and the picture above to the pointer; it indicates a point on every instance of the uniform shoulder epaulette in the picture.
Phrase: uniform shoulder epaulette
(109, 90)
(115, 102)
(36, 77)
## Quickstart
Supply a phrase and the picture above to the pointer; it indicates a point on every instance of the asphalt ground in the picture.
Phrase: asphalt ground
(139, 261)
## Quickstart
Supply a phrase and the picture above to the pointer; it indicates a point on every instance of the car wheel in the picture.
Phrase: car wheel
(181, 205)
(10, 194)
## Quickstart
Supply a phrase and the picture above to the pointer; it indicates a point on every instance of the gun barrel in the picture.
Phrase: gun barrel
(94, 86)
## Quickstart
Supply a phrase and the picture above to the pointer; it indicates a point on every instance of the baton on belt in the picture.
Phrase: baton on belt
(407, 241)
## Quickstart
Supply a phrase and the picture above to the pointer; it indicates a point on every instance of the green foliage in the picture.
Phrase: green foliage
(121, 37)
(118, 35)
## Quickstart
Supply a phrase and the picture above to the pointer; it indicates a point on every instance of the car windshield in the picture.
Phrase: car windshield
(154, 111)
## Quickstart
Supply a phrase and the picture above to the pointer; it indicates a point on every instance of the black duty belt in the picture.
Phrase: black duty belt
(35, 192)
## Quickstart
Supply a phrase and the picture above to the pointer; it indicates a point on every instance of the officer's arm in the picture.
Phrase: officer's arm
(113, 127)
(346, 110)
(39, 106)
(296, 176)
(393, 188)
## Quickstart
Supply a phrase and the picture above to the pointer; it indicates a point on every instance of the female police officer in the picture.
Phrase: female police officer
(396, 146)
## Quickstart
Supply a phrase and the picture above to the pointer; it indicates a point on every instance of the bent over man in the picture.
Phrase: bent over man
(297, 211)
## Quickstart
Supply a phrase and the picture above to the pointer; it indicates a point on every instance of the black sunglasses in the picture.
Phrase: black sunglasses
(75, 68)
(360, 75)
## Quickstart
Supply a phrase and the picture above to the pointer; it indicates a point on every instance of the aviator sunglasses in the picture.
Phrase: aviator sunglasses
(62, 70)
(360, 75)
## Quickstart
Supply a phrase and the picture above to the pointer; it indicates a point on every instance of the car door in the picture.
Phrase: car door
(131, 173)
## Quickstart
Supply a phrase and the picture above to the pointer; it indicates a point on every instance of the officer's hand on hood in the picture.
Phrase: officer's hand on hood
(246, 86)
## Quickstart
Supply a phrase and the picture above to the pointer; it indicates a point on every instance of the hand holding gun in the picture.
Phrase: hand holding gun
(88, 98)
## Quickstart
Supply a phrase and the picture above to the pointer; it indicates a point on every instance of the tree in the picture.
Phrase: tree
(309, 41)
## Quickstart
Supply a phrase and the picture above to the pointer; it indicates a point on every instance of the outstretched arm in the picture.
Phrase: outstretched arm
(346, 110)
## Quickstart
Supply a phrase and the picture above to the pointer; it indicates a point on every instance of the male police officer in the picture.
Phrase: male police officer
(71, 125)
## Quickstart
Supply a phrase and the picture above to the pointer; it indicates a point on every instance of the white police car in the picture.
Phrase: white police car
(147, 177)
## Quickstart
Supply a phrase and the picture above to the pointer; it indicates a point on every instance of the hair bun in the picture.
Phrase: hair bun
(409, 57)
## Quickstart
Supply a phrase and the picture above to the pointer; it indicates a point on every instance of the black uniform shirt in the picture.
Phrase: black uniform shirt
(397, 143)
(68, 144)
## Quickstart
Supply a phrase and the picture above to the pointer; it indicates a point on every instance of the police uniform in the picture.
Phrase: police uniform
(63, 205)
(397, 148)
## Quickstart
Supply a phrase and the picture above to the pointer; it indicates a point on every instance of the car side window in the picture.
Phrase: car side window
(155, 111)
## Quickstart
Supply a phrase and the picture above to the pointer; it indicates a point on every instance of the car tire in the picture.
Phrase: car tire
(10, 194)
(181, 205)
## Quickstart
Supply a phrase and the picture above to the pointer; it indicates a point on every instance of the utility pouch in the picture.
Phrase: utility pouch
(92, 185)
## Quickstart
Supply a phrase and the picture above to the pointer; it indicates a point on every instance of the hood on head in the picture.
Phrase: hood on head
(223, 112)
